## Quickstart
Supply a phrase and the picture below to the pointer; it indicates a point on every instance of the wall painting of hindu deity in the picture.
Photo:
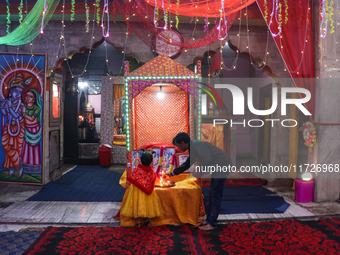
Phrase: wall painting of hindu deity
(22, 83)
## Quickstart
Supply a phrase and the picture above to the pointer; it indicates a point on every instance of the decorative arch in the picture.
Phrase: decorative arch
(59, 65)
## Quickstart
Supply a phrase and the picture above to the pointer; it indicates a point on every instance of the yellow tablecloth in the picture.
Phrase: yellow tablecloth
(180, 203)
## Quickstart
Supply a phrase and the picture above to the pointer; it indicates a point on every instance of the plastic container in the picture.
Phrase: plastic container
(105, 155)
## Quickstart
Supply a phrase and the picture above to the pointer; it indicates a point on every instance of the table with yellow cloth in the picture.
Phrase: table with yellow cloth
(180, 203)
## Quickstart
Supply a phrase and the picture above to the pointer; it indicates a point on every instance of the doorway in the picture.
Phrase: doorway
(265, 99)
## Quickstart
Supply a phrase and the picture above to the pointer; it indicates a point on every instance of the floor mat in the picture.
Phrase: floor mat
(12, 242)
(83, 184)
(240, 179)
(277, 237)
(248, 199)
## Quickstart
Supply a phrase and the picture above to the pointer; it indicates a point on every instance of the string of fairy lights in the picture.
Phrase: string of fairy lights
(233, 67)
(326, 27)
(64, 42)
(264, 60)
(327, 13)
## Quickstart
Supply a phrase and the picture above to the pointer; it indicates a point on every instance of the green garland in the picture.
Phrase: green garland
(21, 17)
(30, 26)
(8, 18)
(87, 17)
(177, 20)
(72, 10)
(98, 11)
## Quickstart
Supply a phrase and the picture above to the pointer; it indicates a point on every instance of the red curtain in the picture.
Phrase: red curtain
(203, 8)
(295, 42)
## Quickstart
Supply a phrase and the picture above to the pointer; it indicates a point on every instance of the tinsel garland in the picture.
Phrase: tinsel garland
(205, 26)
(265, 10)
(156, 15)
(206, 21)
(31, 25)
(21, 17)
(286, 11)
(8, 17)
(87, 17)
(166, 15)
(330, 11)
(280, 14)
(177, 20)
(323, 19)
(98, 11)
(73, 2)
(327, 12)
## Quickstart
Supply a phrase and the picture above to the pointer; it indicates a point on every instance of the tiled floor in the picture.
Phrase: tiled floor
(21, 213)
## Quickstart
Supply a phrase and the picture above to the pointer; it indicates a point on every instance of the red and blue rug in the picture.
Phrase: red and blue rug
(279, 237)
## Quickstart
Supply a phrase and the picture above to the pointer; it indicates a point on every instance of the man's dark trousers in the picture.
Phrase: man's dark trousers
(215, 200)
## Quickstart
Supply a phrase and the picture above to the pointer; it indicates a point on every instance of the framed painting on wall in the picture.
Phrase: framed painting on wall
(22, 81)
(166, 160)
(181, 158)
(136, 157)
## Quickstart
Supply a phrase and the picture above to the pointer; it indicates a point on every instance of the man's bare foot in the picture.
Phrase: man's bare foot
(206, 227)
(203, 223)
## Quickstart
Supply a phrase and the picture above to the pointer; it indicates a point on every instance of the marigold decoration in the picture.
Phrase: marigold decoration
(309, 134)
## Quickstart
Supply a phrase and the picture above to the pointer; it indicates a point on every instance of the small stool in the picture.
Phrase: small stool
(304, 191)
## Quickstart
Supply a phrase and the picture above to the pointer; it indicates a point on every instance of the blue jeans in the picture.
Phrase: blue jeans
(215, 200)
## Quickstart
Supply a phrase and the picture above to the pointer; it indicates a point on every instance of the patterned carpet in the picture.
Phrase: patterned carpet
(15, 243)
(278, 237)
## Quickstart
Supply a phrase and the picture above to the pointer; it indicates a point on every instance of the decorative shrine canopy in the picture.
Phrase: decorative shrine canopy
(163, 69)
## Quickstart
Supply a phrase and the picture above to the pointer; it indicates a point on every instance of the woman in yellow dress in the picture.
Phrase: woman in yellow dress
(142, 201)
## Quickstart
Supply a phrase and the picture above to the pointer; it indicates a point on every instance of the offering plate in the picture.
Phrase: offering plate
(166, 184)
